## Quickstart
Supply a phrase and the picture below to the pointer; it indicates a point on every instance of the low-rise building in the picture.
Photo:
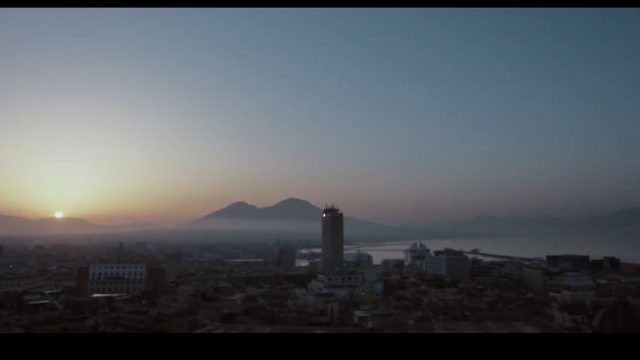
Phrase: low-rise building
(392, 265)
(286, 258)
(116, 278)
(534, 279)
(449, 264)
(341, 284)
(417, 254)
(569, 262)
(357, 259)
(572, 288)
(567, 297)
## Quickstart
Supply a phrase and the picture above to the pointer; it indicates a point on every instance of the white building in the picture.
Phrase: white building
(572, 288)
(116, 278)
(567, 297)
(341, 284)
(573, 280)
(417, 254)
(358, 259)
(349, 283)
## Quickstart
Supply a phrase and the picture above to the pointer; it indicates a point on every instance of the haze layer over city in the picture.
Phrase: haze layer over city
(280, 170)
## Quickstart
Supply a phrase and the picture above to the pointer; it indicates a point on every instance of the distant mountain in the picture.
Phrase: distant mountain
(289, 215)
(298, 218)
(622, 223)
(289, 209)
(624, 218)
(238, 209)
(11, 225)
(293, 208)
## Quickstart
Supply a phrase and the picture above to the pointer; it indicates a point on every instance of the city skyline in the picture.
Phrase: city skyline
(151, 115)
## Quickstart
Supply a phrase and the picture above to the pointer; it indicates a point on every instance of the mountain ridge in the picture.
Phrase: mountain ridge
(19, 226)
(285, 209)
(291, 214)
(297, 215)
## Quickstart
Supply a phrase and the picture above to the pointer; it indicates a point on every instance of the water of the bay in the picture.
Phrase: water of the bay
(627, 250)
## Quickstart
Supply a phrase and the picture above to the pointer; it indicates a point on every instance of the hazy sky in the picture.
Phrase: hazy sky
(161, 115)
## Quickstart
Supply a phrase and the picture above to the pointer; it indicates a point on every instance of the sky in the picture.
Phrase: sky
(395, 115)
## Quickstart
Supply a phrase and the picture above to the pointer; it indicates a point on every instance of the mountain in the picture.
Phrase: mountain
(297, 218)
(621, 223)
(68, 225)
(293, 208)
(238, 209)
(289, 209)
(624, 218)
(289, 215)
(11, 225)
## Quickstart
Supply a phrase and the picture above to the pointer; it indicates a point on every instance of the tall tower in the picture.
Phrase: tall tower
(332, 239)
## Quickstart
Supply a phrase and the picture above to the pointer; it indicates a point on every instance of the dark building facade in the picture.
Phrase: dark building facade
(157, 280)
(286, 258)
(332, 239)
(607, 264)
(82, 281)
(569, 262)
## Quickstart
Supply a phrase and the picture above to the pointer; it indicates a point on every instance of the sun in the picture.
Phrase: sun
(59, 214)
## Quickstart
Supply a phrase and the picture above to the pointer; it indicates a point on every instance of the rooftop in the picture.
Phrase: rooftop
(330, 209)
